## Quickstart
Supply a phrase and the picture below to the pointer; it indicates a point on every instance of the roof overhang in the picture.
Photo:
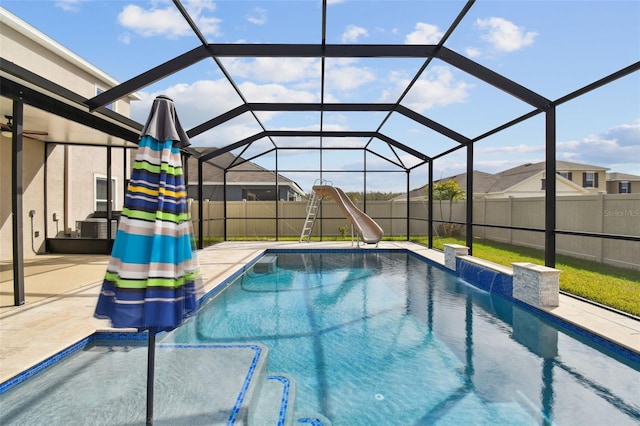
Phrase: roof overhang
(61, 113)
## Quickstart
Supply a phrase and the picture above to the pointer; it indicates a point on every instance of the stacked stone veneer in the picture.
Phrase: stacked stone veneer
(451, 251)
(535, 285)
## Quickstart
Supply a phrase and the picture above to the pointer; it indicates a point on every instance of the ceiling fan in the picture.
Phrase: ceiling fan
(8, 128)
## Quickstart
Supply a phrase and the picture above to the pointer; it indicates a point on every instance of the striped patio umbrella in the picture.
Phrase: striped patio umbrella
(153, 279)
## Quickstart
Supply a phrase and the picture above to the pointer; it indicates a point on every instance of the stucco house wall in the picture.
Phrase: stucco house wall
(614, 181)
(533, 187)
(66, 172)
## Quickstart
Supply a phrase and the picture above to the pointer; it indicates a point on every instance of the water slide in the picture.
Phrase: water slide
(367, 229)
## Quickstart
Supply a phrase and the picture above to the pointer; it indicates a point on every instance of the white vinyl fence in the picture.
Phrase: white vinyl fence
(617, 214)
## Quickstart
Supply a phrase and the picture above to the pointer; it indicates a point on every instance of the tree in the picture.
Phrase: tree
(448, 190)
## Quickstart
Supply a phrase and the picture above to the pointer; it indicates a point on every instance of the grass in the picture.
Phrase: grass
(618, 288)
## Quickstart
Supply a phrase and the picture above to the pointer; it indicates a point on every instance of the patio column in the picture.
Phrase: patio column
(201, 207)
(109, 199)
(16, 204)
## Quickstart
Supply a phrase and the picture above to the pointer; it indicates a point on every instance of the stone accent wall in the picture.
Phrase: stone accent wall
(536, 285)
(451, 251)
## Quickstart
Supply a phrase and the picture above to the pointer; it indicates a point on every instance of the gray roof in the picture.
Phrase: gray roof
(622, 176)
(481, 181)
(246, 172)
(499, 182)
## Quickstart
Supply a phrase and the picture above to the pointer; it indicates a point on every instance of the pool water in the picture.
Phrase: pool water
(387, 338)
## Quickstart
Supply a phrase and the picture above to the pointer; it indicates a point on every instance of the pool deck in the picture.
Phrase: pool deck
(62, 290)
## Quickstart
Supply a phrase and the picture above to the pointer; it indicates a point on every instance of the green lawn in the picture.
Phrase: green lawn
(618, 288)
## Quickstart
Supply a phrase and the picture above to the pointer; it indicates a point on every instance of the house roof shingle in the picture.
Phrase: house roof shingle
(622, 176)
(491, 183)
(246, 172)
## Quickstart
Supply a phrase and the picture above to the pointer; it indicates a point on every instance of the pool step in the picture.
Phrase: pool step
(274, 403)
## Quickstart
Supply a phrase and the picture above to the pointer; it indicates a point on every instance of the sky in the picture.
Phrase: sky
(550, 47)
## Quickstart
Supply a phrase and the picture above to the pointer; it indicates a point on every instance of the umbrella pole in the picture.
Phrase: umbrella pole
(151, 358)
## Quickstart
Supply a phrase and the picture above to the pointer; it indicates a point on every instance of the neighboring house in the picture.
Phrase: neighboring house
(246, 181)
(73, 175)
(481, 181)
(529, 180)
(623, 183)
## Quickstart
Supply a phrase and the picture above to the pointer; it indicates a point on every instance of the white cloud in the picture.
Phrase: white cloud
(167, 21)
(69, 5)
(353, 33)
(617, 148)
(424, 34)
(303, 73)
(275, 93)
(473, 52)
(435, 88)
(276, 70)
(345, 77)
(258, 16)
(125, 38)
(515, 149)
(626, 134)
(496, 166)
(203, 100)
(195, 103)
(503, 35)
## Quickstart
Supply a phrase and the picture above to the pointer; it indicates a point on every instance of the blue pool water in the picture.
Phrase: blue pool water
(368, 337)
(386, 338)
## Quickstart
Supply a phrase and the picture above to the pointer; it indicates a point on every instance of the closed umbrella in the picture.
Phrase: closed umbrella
(153, 280)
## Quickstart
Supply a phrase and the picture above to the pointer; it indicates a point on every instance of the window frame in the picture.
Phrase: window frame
(627, 187)
(99, 90)
(566, 175)
(590, 179)
(114, 190)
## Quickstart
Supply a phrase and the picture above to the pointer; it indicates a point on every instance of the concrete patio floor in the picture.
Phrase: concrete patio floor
(62, 290)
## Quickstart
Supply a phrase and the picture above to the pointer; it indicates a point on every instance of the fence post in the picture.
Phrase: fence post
(600, 210)
(510, 218)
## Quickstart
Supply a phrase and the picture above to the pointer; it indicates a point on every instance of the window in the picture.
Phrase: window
(100, 193)
(624, 187)
(99, 91)
(566, 175)
(259, 194)
(590, 180)
(544, 184)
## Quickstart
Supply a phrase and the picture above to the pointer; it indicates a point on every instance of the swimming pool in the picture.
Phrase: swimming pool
(380, 337)
(368, 337)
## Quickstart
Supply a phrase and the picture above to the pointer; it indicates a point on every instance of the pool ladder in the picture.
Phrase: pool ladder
(312, 212)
